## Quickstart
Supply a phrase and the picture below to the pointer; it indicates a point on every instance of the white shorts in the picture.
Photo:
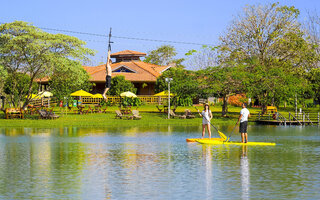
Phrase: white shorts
(204, 121)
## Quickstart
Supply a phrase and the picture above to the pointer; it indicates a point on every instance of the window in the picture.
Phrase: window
(123, 69)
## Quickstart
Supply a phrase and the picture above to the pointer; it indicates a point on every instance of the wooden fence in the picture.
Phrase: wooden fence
(112, 99)
(117, 99)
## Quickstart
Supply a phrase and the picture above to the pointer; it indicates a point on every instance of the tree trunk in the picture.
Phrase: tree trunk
(224, 106)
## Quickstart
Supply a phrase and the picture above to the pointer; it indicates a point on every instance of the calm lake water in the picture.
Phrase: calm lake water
(157, 163)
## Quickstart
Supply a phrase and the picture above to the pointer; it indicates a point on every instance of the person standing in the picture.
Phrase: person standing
(243, 119)
(206, 118)
(108, 76)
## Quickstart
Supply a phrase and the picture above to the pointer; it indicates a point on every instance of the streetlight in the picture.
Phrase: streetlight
(168, 80)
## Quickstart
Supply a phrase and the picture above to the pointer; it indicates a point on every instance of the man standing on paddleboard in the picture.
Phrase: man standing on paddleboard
(243, 118)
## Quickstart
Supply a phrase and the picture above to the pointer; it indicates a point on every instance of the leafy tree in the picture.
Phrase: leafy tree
(67, 78)
(16, 88)
(164, 55)
(119, 84)
(202, 59)
(29, 50)
(270, 41)
(184, 85)
(3, 75)
(222, 82)
(314, 78)
(313, 29)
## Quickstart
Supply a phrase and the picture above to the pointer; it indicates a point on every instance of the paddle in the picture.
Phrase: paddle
(222, 135)
(232, 132)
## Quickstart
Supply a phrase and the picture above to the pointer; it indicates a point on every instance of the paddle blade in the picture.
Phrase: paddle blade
(223, 136)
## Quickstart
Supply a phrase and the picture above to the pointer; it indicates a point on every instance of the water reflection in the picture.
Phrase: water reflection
(207, 158)
(245, 173)
(156, 163)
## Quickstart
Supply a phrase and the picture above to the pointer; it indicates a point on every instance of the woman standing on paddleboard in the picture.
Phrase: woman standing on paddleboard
(206, 118)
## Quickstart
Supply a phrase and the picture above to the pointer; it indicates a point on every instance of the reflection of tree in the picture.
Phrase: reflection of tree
(37, 166)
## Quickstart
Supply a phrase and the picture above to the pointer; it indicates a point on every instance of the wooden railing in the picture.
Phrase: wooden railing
(117, 99)
(43, 102)
(113, 99)
(301, 118)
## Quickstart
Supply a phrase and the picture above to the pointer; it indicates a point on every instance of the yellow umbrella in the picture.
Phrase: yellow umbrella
(81, 93)
(127, 94)
(34, 96)
(45, 94)
(164, 94)
(97, 95)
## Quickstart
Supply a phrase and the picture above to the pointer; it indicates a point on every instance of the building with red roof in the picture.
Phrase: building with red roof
(128, 64)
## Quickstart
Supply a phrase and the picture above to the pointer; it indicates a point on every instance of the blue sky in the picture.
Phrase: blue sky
(195, 21)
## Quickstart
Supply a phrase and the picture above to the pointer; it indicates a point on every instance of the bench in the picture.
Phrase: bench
(14, 112)
(271, 109)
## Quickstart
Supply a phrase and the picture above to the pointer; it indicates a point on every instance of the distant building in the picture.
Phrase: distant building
(128, 64)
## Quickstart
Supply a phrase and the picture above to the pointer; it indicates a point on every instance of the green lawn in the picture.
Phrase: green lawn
(150, 117)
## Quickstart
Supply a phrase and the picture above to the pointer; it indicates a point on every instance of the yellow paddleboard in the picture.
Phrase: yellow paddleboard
(194, 139)
(204, 141)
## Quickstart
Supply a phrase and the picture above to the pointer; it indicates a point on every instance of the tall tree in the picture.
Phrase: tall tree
(184, 85)
(164, 55)
(68, 77)
(201, 59)
(16, 88)
(270, 41)
(222, 82)
(313, 29)
(3, 75)
(27, 49)
(119, 84)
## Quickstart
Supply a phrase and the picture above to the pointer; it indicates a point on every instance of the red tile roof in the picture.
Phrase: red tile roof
(127, 53)
(144, 71)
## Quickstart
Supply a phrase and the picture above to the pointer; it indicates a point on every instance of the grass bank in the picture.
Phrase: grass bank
(150, 117)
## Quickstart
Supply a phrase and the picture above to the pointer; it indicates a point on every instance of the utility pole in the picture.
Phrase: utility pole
(109, 42)
(168, 80)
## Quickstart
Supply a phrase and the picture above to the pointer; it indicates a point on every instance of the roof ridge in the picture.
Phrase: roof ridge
(154, 73)
(97, 70)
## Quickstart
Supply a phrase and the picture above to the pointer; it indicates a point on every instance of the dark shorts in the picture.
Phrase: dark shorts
(108, 81)
(243, 127)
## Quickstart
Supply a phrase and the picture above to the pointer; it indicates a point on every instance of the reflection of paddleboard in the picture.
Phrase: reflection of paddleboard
(194, 139)
(206, 141)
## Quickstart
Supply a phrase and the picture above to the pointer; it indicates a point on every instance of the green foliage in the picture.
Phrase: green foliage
(270, 42)
(119, 84)
(201, 59)
(68, 77)
(129, 101)
(164, 55)
(27, 49)
(222, 82)
(104, 103)
(16, 87)
(185, 101)
(314, 78)
(3, 75)
(184, 84)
